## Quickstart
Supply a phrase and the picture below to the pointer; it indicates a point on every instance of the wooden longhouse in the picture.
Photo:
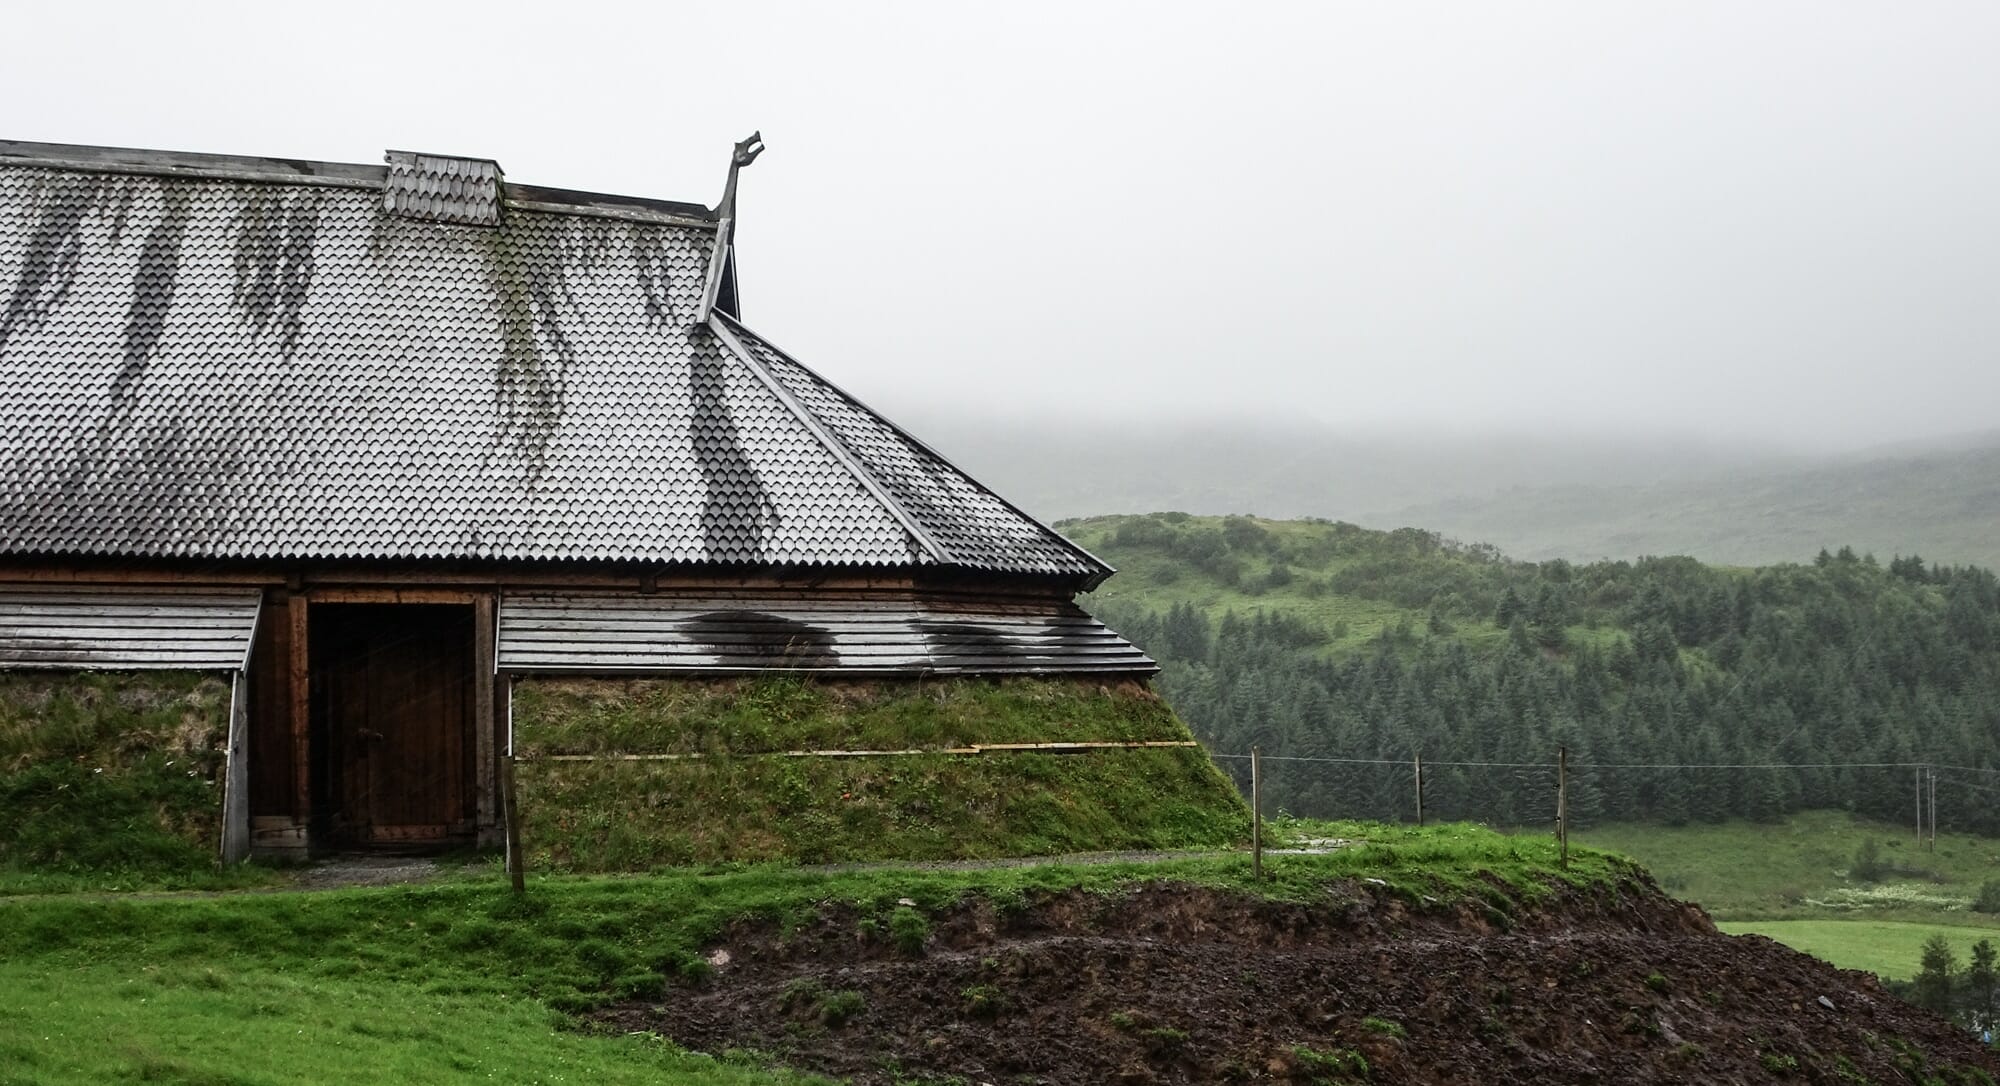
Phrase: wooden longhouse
(376, 441)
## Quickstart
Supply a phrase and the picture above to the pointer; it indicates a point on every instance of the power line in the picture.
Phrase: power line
(1956, 783)
(1754, 765)
(1613, 765)
(1388, 761)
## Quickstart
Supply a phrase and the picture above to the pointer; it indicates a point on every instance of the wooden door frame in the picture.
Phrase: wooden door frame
(485, 710)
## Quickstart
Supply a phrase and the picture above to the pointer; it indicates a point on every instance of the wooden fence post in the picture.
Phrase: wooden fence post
(516, 874)
(516, 863)
(1920, 807)
(1562, 803)
(1933, 804)
(1420, 790)
(1256, 814)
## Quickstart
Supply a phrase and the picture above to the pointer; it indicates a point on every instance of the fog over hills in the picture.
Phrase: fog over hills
(1534, 496)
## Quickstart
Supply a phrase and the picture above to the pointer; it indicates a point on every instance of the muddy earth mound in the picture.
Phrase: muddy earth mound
(1175, 984)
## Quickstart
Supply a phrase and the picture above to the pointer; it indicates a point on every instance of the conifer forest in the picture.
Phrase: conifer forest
(1681, 691)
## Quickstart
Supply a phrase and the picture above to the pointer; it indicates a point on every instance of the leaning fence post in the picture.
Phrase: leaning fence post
(1562, 803)
(516, 863)
(1420, 790)
(515, 873)
(1256, 814)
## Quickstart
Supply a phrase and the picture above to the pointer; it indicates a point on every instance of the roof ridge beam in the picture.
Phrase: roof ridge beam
(1105, 569)
(925, 541)
(718, 262)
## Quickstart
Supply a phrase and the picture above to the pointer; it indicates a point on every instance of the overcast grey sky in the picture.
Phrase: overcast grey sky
(1731, 219)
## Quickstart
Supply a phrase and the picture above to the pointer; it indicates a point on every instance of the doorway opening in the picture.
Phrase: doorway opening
(392, 708)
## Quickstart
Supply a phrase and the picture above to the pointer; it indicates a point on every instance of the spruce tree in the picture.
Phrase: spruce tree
(1979, 986)
(1932, 988)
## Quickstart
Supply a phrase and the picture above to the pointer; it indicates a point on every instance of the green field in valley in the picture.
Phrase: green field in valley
(1803, 867)
(1795, 882)
(1886, 948)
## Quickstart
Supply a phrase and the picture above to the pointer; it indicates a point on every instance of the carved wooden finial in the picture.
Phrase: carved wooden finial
(746, 152)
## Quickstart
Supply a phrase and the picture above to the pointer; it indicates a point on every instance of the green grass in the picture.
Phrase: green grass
(1887, 948)
(200, 878)
(737, 802)
(204, 1025)
(463, 980)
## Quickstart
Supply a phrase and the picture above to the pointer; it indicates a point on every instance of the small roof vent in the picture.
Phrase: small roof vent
(440, 188)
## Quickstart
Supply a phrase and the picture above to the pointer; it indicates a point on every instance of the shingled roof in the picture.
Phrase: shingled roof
(225, 358)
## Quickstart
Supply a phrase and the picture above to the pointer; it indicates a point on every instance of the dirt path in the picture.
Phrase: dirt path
(341, 872)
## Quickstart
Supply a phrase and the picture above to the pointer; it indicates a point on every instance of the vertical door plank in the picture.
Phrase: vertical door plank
(299, 695)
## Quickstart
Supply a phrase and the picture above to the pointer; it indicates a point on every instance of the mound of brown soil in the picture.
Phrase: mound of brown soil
(1171, 984)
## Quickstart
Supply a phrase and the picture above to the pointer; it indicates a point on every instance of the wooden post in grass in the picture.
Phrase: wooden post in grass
(515, 867)
(1562, 803)
(1932, 774)
(1256, 814)
(1920, 807)
(1420, 789)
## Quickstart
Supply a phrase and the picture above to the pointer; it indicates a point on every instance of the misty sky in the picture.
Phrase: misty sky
(1771, 220)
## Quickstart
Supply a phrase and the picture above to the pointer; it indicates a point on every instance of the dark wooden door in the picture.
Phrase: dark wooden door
(392, 688)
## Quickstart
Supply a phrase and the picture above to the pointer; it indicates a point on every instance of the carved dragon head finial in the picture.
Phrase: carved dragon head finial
(748, 150)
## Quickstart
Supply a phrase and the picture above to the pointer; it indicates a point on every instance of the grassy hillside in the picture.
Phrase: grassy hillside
(1327, 575)
(1344, 652)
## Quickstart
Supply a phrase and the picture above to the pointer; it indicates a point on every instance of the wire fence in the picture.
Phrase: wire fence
(1563, 793)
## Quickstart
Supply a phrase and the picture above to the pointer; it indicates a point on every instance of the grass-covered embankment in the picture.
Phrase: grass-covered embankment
(733, 795)
(464, 980)
(111, 778)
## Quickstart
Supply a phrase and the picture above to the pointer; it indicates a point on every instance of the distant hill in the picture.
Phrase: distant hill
(1944, 506)
(1355, 649)
(1058, 468)
(1533, 496)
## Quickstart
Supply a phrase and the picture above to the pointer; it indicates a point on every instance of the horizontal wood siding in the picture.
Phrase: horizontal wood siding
(135, 629)
(807, 630)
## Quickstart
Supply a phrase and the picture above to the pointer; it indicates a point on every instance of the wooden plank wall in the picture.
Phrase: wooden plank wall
(272, 788)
